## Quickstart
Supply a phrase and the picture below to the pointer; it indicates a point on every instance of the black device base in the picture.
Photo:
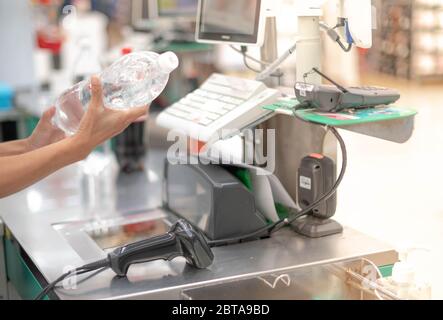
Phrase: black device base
(313, 227)
(212, 199)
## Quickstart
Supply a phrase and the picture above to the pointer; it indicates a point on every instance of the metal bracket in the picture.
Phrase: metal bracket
(398, 130)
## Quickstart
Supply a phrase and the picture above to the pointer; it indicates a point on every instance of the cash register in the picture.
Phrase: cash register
(211, 197)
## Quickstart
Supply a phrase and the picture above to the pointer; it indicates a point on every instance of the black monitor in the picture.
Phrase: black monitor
(231, 22)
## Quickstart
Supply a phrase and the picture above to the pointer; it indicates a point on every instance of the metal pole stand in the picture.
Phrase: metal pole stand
(296, 139)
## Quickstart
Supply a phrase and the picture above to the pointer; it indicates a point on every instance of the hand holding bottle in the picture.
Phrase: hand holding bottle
(45, 133)
(132, 81)
(99, 123)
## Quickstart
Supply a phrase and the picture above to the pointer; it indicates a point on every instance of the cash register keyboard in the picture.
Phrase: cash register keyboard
(204, 106)
(219, 103)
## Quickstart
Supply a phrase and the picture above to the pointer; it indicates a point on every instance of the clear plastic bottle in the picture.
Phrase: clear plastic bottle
(134, 80)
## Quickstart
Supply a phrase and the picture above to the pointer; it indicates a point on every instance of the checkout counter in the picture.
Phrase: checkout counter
(47, 229)
(44, 233)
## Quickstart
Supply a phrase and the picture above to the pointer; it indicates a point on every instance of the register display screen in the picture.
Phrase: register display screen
(235, 21)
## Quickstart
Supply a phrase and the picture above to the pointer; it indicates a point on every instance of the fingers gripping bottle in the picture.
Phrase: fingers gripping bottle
(134, 80)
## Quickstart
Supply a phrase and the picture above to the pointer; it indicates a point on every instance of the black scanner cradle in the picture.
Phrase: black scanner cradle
(212, 199)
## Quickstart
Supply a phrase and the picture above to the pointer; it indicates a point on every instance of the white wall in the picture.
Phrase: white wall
(17, 43)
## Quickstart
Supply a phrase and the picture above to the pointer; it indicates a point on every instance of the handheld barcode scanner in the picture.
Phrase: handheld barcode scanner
(181, 241)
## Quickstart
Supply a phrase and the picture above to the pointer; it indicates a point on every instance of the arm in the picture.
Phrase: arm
(14, 147)
(44, 134)
(98, 124)
(20, 171)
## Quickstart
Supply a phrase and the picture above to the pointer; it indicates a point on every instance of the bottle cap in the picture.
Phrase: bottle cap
(168, 61)
(126, 51)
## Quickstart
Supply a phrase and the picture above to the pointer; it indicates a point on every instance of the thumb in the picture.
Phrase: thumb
(96, 92)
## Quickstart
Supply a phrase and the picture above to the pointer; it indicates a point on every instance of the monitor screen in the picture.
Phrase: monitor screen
(229, 21)
(173, 8)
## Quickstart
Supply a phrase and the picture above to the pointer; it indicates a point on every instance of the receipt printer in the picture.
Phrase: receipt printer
(212, 199)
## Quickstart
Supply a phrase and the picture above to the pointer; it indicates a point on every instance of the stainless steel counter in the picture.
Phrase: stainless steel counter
(31, 214)
(3, 282)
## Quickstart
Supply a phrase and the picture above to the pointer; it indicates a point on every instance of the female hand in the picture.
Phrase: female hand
(45, 133)
(100, 124)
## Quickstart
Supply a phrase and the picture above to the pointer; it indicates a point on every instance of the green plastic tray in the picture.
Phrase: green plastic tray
(343, 118)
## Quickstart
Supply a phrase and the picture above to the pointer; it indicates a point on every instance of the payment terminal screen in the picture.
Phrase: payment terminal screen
(232, 17)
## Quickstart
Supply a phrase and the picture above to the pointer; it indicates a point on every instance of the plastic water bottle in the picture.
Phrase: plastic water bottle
(134, 80)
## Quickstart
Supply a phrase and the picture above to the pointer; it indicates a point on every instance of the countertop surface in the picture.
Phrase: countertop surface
(32, 214)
